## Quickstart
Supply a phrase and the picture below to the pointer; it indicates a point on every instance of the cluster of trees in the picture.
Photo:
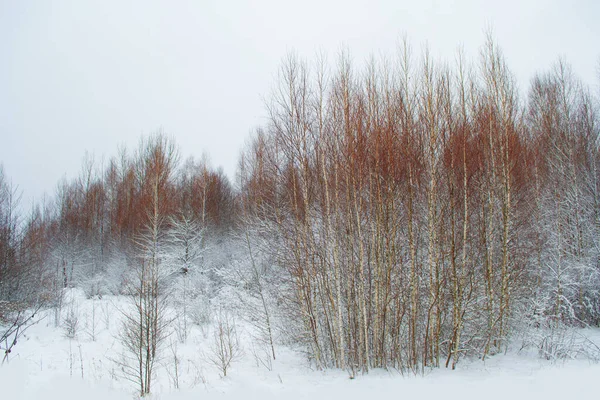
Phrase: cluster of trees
(140, 216)
(402, 215)
(93, 223)
(423, 211)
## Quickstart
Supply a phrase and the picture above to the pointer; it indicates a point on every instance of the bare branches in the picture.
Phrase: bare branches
(225, 348)
(401, 199)
(14, 321)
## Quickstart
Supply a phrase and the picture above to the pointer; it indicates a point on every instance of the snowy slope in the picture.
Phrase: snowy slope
(47, 365)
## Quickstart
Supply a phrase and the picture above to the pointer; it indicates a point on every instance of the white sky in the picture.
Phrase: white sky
(92, 75)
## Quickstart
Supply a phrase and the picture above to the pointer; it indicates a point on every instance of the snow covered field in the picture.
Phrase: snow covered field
(47, 365)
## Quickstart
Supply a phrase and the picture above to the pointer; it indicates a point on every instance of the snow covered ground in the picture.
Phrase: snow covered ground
(48, 365)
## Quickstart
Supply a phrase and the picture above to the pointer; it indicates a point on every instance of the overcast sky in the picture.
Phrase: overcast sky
(93, 75)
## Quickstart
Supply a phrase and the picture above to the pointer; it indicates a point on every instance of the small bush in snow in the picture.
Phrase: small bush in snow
(71, 323)
(225, 348)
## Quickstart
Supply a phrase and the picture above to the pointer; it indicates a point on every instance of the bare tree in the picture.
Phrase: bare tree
(186, 248)
(145, 325)
(22, 256)
(225, 348)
